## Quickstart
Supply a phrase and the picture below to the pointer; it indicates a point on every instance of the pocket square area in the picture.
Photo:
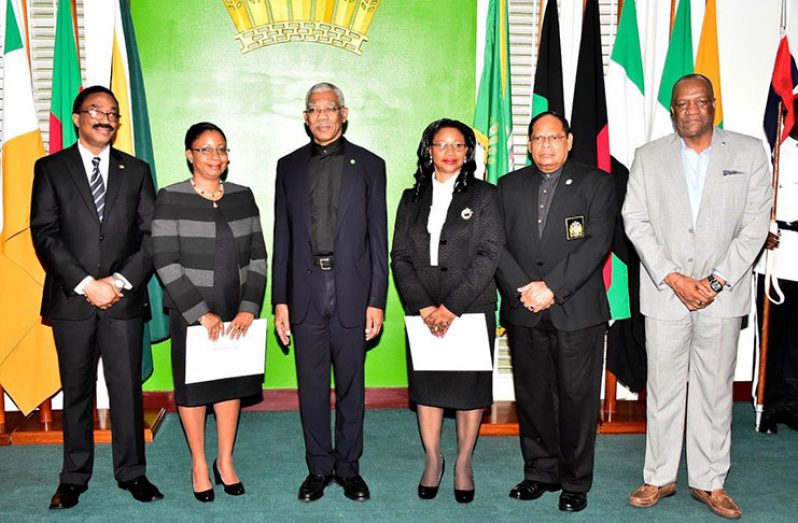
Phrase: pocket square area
(731, 172)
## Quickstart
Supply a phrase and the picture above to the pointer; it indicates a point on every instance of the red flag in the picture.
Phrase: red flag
(785, 78)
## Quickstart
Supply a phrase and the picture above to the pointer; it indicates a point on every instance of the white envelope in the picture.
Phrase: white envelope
(208, 360)
(465, 346)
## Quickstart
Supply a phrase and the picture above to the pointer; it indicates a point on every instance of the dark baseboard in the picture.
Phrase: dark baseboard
(376, 398)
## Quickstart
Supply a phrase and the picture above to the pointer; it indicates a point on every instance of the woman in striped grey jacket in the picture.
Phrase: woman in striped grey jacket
(209, 253)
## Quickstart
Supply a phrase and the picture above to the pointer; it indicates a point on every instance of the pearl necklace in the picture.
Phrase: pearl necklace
(209, 195)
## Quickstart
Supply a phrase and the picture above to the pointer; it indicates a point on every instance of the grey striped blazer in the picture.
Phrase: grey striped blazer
(183, 241)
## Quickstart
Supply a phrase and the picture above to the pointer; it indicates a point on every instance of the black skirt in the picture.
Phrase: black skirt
(459, 390)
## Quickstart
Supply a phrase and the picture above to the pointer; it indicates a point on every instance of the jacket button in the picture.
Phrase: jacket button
(690, 230)
(309, 271)
(690, 260)
(540, 264)
(443, 241)
(98, 265)
(444, 269)
(102, 237)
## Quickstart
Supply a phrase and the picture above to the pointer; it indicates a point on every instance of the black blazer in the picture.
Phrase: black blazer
(571, 268)
(361, 242)
(72, 243)
(468, 251)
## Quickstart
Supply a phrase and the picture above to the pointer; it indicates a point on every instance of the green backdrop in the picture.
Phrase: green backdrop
(417, 66)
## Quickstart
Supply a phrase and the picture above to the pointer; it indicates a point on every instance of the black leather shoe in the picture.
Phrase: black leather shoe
(141, 489)
(66, 496)
(573, 501)
(464, 496)
(234, 489)
(531, 489)
(354, 487)
(204, 496)
(425, 492)
(768, 424)
(313, 487)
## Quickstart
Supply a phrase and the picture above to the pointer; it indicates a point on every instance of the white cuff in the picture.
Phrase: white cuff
(82, 285)
(128, 285)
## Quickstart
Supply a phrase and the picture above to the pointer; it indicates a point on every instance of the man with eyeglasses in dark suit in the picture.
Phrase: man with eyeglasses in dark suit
(559, 218)
(329, 280)
(91, 213)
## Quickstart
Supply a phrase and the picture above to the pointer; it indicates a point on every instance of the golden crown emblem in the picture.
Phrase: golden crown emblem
(340, 23)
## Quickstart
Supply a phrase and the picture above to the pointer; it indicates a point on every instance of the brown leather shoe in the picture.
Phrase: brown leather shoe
(648, 495)
(718, 502)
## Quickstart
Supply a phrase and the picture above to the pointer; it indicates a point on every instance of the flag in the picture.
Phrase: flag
(66, 78)
(28, 362)
(114, 60)
(626, 356)
(707, 61)
(782, 85)
(547, 93)
(589, 114)
(493, 117)
(678, 62)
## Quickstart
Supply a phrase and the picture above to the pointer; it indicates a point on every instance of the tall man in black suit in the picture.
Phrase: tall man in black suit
(91, 211)
(559, 218)
(330, 271)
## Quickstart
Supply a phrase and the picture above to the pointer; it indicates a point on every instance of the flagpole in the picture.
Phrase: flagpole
(765, 336)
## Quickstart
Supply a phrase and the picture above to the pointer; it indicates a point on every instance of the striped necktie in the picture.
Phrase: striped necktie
(97, 187)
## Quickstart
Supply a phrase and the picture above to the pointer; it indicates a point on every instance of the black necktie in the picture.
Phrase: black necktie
(97, 187)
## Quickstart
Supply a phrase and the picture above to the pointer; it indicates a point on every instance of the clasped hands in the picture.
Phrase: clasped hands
(536, 296)
(102, 293)
(695, 294)
(236, 329)
(437, 319)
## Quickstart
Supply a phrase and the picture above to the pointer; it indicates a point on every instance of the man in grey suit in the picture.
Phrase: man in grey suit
(697, 211)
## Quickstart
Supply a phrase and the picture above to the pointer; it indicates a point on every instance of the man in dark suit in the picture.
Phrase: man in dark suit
(91, 212)
(330, 271)
(559, 218)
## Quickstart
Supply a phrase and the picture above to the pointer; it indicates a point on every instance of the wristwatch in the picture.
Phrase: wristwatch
(715, 284)
(118, 283)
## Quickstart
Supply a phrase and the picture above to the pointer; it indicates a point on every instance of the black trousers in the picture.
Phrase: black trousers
(79, 344)
(781, 380)
(322, 343)
(557, 376)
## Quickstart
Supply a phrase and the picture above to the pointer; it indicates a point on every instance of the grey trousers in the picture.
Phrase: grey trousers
(702, 350)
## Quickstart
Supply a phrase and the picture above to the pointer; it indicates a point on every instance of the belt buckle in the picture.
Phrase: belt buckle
(325, 263)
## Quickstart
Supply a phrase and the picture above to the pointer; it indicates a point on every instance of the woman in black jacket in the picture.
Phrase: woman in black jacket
(446, 246)
(209, 253)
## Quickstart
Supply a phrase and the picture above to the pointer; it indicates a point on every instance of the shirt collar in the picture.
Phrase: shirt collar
(336, 148)
(555, 174)
(686, 149)
(87, 156)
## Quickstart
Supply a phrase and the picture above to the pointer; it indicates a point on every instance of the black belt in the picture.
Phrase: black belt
(787, 226)
(325, 263)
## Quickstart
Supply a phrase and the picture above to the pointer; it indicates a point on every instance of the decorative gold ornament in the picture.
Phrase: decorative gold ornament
(340, 23)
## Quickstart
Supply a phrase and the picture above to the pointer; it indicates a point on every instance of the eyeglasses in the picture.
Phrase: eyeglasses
(207, 150)
(553, 139)
(702, 103)
(443, 146)
(112, 116)
(318, 111)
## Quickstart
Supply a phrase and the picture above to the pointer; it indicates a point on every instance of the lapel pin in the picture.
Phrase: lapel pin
(569, 181)
(121, 166)
(352, 161)
(466, 214)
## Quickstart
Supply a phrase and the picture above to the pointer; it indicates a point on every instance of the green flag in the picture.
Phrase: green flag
(66, 79)
(678, 62)
(493, 118)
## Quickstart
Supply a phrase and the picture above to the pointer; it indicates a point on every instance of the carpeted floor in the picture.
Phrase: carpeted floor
(270, 461)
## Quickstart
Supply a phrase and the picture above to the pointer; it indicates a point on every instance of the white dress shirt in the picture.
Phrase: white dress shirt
(442, 193)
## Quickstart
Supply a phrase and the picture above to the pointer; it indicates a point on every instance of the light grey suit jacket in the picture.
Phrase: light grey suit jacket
(730, 230)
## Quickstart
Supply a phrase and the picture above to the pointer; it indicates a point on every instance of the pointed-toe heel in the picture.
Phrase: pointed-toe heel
(425, 492)
(205, 496)
(236, 489)
(464, 496)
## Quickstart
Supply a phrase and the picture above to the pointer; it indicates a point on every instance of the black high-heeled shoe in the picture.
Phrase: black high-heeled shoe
(236, 489)
(425, 492)
(206, 496)
(464, 496)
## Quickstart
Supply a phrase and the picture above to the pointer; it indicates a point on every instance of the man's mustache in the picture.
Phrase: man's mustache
(102, 126)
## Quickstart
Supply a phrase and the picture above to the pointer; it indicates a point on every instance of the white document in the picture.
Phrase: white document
(465, 346)
(208, 360)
